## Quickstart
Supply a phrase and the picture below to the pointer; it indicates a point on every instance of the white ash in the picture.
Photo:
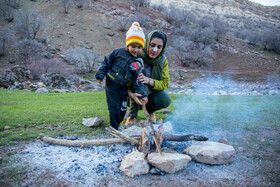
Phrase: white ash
(83, 166)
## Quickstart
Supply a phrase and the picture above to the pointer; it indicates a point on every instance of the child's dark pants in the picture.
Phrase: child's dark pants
(117, 102)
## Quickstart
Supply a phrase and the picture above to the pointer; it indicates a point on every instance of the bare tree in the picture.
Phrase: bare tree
(81, 3)
(121, 24)
(12, 3)
(271, 40)
(140, 3)
(83, 59)
(28, 25)
(220, 27)
(66, 4)
(29, 50)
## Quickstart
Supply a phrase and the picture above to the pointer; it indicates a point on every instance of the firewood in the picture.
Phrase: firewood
(152, 128)
(145, 145)
(81, 143)
(122, 135)
(181, 138)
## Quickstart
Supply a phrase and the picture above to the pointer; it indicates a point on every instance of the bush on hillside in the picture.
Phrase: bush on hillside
(29, 50)
(81, 3)
(140, 3)
(53, 65)
(192, 54)
(84, 60)
(66, 4)
(5, 37)
(28, 25)
(271, 40)
(205, 36)
(6, 12)
(121, 24)
(220, 27)
(12, 3)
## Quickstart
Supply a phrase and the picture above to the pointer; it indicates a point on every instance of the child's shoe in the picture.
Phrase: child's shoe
(130, 120)
(153, 117)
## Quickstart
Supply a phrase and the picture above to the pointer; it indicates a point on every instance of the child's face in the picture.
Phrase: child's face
(134, 49)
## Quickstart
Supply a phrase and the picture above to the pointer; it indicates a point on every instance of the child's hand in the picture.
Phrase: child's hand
(100, 82)
(144, 100)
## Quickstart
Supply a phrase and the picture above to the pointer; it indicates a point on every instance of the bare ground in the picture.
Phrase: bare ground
(36, 163)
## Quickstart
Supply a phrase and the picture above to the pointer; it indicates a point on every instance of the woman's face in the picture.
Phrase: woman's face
(155, 47)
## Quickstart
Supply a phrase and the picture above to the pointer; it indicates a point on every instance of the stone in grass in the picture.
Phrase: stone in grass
(168, 162)
(213, 153)
(134, 164)
(93, 122)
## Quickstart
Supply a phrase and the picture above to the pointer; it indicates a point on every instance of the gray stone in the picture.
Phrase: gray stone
(133, 131)
(134, 164)
(213, 153)
(93, 122)
(168, 162)
(42, 90)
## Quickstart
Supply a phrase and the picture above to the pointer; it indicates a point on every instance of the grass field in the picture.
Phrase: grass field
(53, 114)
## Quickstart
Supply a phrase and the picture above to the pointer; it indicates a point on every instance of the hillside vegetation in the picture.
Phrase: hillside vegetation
(234, 36)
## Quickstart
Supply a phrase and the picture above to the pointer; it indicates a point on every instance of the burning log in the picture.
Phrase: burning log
(152, 128)
(181, 138)
(145, 145)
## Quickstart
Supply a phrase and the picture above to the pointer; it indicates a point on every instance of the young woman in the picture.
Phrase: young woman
(155, 77)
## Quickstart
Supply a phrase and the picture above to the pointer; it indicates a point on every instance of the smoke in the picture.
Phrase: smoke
(215, 115)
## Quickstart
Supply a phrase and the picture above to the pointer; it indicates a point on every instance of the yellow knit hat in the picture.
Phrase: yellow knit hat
(135, 34)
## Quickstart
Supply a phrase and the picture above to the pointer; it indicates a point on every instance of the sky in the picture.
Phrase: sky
(267, 2)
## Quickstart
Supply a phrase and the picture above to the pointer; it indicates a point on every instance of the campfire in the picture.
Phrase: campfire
(148, 155)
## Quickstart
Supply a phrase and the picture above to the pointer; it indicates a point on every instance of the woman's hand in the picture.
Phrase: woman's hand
(146, 80)
(143, 79)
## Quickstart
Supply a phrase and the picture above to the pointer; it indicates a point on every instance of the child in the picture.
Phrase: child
(121, 66)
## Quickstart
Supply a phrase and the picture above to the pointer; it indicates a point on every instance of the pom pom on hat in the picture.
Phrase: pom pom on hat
(135, 34)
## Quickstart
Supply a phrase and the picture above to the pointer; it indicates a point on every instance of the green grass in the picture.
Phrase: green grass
(29, 114)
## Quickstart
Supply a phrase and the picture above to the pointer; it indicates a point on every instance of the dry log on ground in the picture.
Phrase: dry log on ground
(82, 143)
(98, 142)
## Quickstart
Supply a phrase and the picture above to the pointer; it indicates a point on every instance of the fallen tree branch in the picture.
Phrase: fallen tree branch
(81, 143)
(98, 142)
(122, 135)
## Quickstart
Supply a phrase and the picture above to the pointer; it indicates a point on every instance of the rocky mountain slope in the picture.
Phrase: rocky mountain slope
(95, 27)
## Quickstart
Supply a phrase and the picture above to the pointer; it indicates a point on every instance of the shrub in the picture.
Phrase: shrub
(271, 40)
(140, 3)
(28, 25)
(121, 24)
(54, 65)
(83, 59)
(190, 53)
(5, 36)
(205, 36)
(6, 12)
(29, 50)
(66, 4)
(220, 27)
